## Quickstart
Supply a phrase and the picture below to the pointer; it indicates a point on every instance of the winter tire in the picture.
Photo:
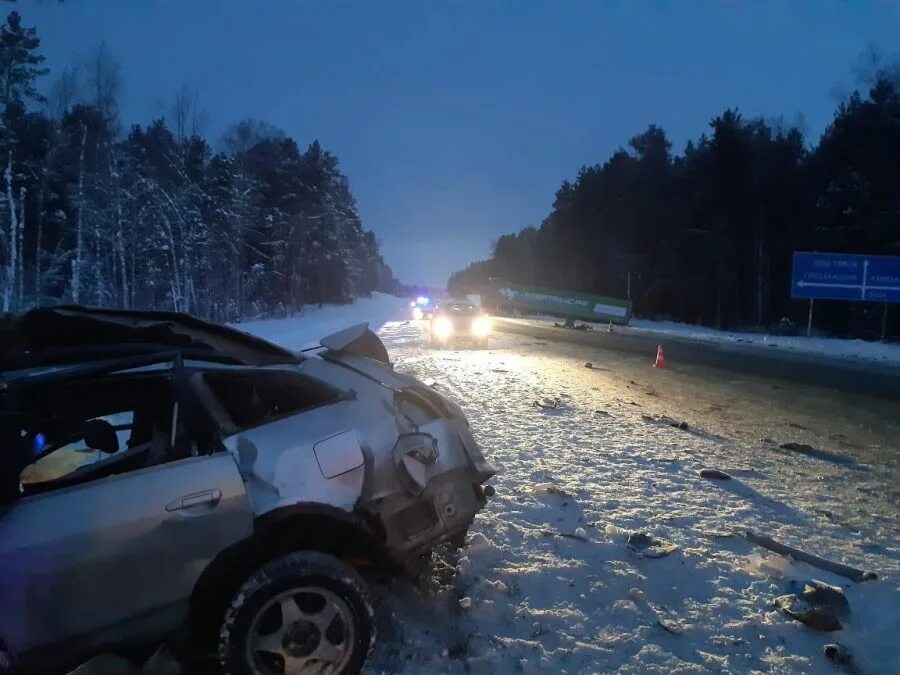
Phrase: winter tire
(306, 612)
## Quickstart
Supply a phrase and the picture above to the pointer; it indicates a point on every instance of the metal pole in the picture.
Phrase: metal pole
(809, 320)
(629, 284)
(884, 322)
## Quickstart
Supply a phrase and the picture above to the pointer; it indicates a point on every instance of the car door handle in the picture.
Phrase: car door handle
(207, 498)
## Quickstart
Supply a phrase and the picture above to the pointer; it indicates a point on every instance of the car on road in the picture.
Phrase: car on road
(423, 307)
(457, 321)
(165, 478)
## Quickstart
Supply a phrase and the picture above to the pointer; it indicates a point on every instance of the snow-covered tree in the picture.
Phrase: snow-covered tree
(151, 218)
(20, 64)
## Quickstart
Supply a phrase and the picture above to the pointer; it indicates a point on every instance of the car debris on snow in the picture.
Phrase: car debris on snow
(580, 536)
(550, 489)
(570, 323)
(648, 546)
(852, 573)
(815, 453)
(547, 404)
(839, 655)
(714, 474)
(818, 605)
(639, 599)
(677, 424)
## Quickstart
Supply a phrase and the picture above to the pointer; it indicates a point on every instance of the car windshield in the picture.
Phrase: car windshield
(459, 308)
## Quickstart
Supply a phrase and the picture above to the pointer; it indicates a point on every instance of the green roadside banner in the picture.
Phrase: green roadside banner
(570, 304)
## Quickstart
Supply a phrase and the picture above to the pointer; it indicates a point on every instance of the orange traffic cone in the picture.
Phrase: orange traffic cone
(660, 358)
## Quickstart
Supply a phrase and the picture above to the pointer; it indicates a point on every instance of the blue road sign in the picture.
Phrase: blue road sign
(843, 276)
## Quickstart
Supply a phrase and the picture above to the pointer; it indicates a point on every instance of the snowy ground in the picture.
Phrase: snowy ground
(525, 596)
(885, 352)
(313, 323)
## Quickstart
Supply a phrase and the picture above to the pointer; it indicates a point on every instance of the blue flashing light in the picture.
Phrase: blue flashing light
(422, 301)
(40, 442)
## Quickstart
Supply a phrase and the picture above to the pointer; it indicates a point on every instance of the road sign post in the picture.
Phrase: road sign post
(845, 276)
(809, 319)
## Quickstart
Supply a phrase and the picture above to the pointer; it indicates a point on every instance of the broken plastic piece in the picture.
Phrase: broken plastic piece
(851, 573)
(714, 474)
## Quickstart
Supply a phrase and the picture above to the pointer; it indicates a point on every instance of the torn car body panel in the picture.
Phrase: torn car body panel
(357, 340)
(415, 500)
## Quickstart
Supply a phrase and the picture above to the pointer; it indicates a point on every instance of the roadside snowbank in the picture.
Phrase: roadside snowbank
(835, 348)
(309, 326)
(830, 347)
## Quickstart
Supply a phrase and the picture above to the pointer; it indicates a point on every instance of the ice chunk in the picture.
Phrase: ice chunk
(613, 531)
(766, 565)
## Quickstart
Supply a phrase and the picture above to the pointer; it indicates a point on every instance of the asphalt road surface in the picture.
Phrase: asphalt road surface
(877, 379)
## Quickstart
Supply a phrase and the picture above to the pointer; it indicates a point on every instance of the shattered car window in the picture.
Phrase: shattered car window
(255, 398)
(72, 456)
(80, 430)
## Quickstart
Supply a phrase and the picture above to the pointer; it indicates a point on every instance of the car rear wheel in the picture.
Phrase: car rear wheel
(303, 613)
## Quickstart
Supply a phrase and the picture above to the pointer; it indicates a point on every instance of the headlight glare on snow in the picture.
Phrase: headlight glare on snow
(481, 327)
(442, 328)
(417, 313)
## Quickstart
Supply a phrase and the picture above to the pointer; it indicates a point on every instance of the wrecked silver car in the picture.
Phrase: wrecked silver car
(164, 478)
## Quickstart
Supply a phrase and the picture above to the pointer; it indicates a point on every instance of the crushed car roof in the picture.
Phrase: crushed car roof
(69, 334)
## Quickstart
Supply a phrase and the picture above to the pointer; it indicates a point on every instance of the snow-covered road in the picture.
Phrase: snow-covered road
(545, 582)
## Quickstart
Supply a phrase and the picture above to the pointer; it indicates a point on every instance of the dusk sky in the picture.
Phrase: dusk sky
(457, 121)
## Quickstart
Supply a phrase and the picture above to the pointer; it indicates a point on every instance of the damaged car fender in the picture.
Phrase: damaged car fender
(281, 466)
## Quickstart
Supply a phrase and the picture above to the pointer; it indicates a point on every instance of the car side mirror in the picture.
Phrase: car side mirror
(101, 435)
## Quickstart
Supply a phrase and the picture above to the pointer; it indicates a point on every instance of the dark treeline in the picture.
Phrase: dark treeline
(151, 216)
(707, 236)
